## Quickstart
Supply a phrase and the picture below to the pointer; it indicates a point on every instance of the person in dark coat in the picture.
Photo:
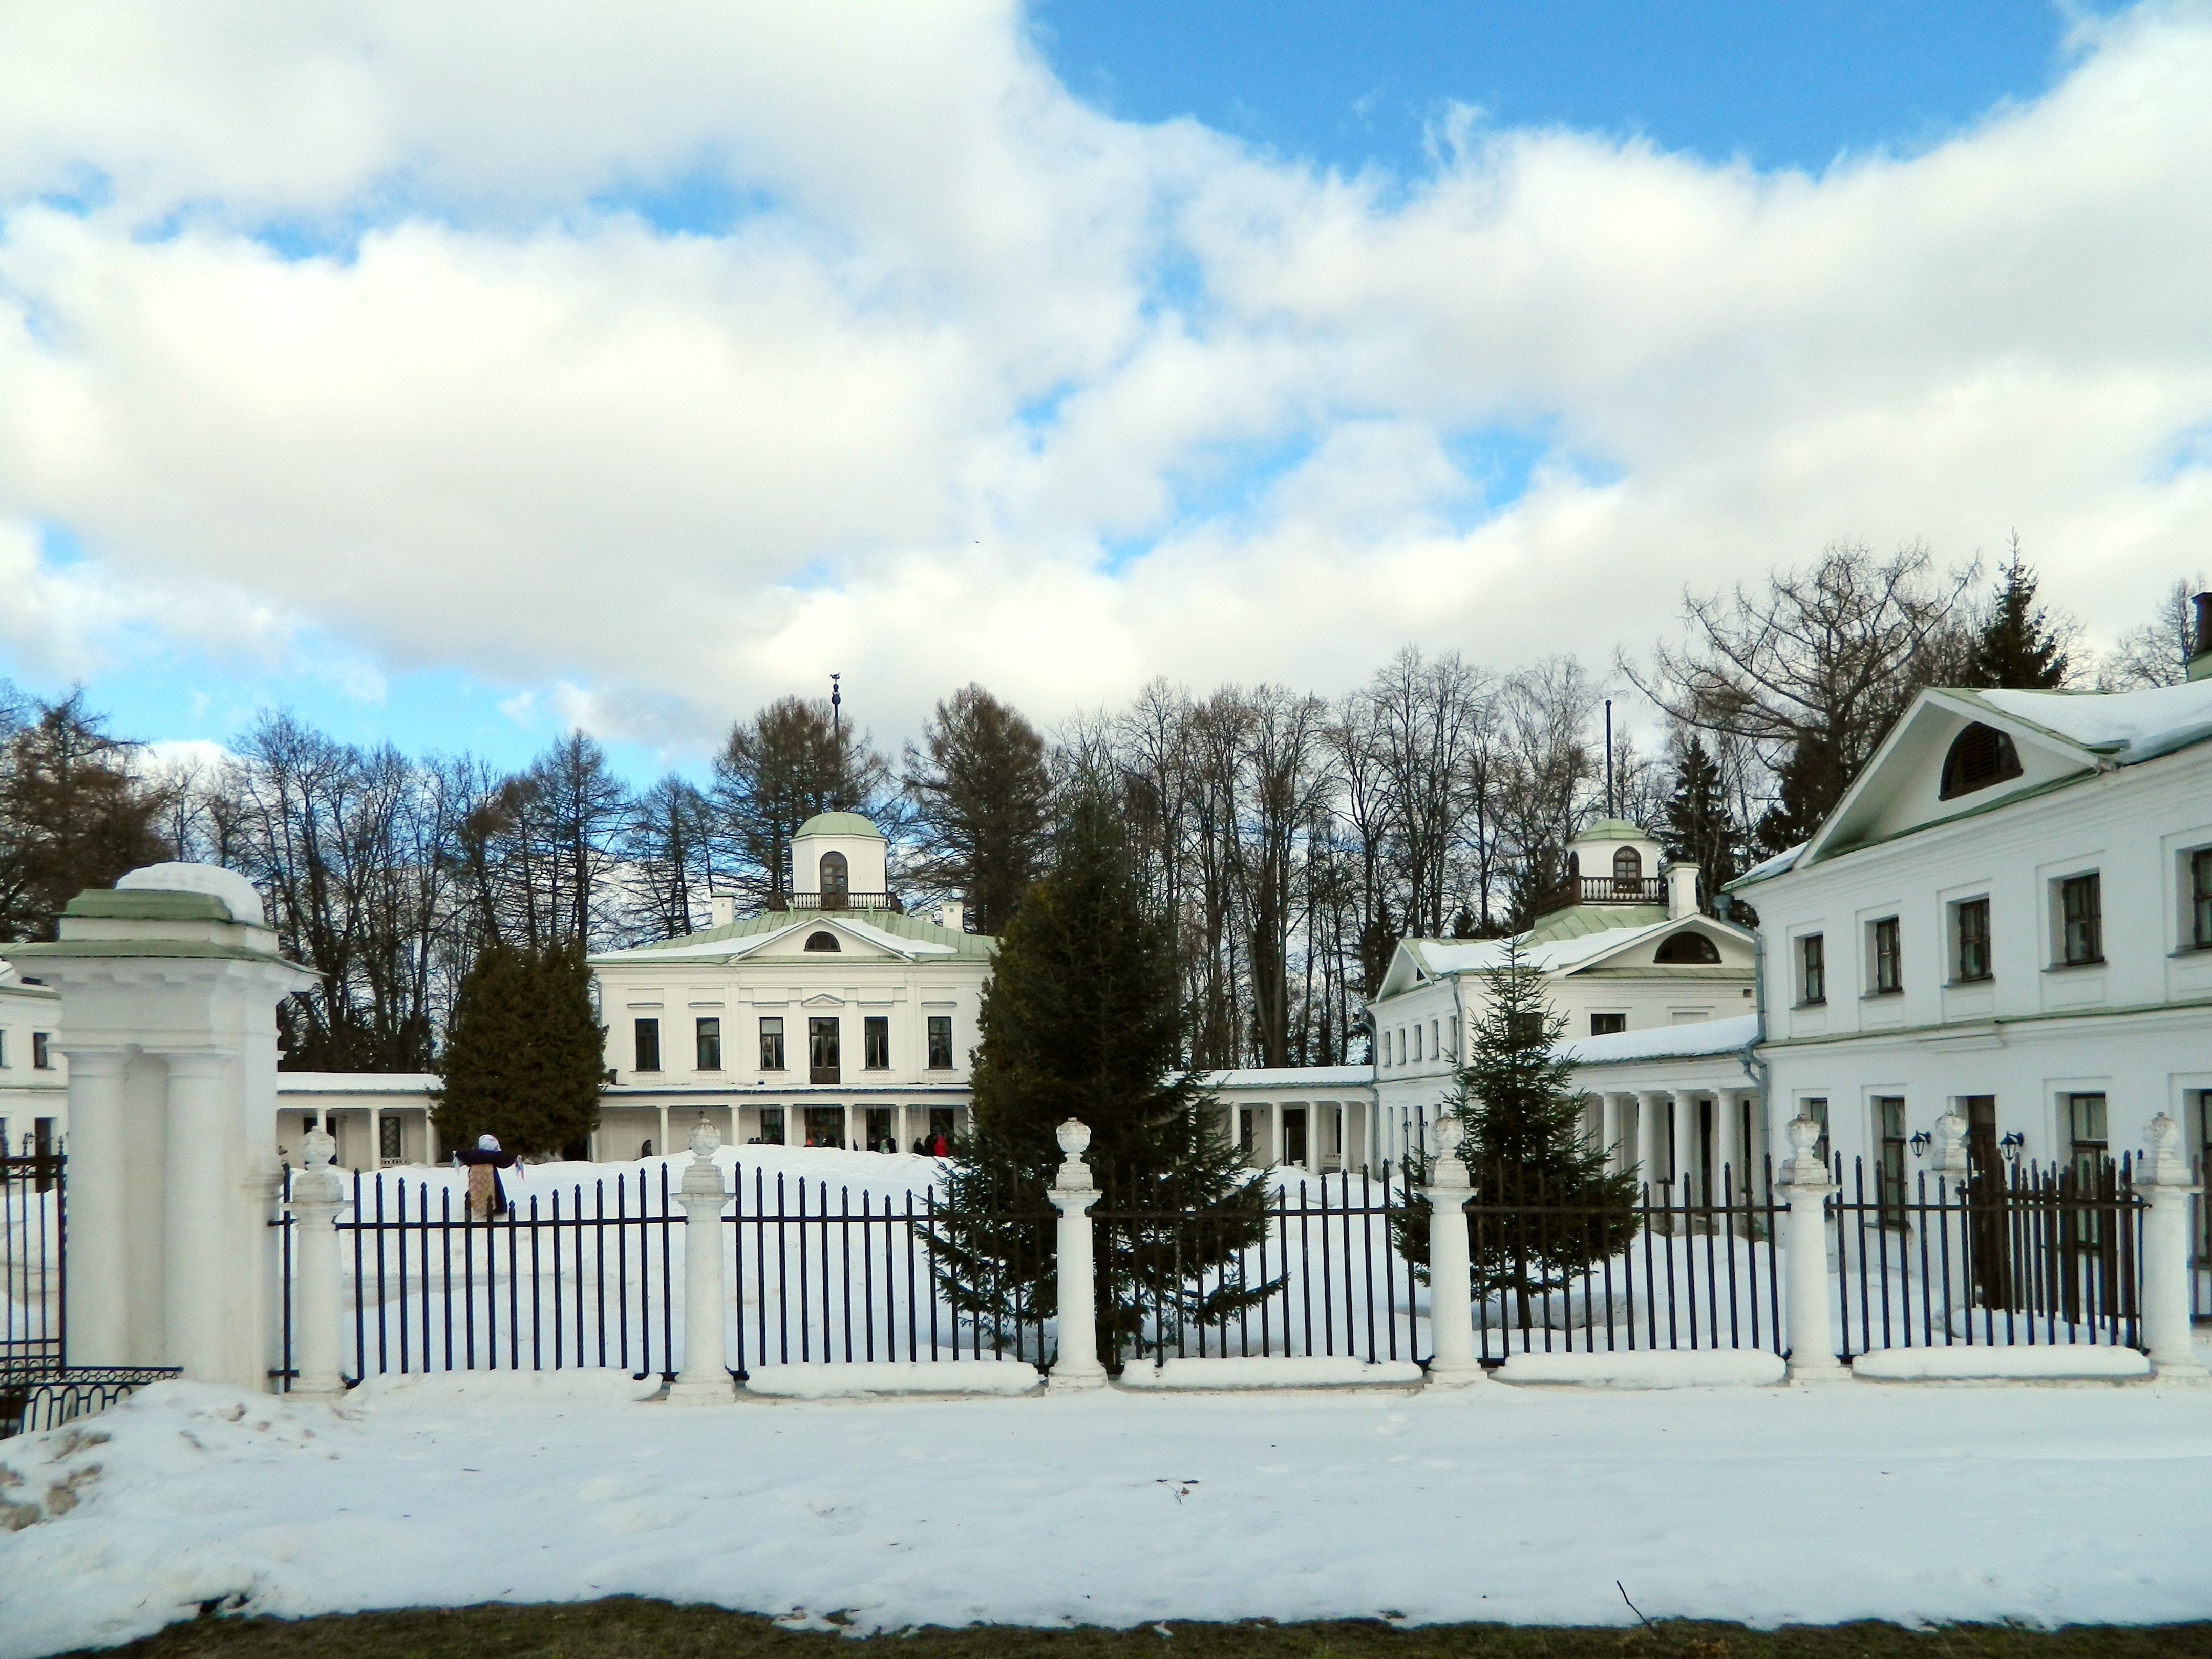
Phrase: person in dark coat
(487, 1193)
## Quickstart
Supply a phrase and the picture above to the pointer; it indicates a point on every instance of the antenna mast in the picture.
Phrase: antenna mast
(1610, 811)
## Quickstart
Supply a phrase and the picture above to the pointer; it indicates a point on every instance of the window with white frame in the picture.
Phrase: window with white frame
(1812, 970)
(1970, 940)
(1885, 957)
(2080, 919)
(2200, 899)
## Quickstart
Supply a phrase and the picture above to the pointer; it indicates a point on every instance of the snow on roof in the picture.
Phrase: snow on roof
(1707, 1037)
(357, 1083)
(903, 935)
(1766, 867)
(1289, 1077)
(1484, 956)
(2131, 726)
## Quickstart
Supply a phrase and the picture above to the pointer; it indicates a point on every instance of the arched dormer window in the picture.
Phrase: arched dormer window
(836, 881)
(823, 941)
(1687, 947)
(1628, 865)
(1979, 756)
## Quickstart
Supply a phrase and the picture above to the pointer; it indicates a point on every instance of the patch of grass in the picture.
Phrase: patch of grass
(628, 1628)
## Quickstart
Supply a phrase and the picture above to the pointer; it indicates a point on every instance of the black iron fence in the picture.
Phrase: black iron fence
(31, 1401)
(1682, 1264)
(33, 1267)
(2049, 1254)
(821, 1272)
(1319, 1276)
(589, 1275)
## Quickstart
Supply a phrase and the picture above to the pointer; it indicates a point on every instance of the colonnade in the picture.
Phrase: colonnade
(1662, 1133)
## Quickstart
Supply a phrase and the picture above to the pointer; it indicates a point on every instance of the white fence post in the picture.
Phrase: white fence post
(1812, 1341)
(704, 1379)
(1453, 1362)
(1075, 1268)
(2163, 1181)
(318, 1318)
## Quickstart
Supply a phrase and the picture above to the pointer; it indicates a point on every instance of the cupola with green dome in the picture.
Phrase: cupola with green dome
(839, 860)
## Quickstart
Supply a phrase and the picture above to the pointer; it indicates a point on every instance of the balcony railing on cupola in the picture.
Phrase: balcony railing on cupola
(1607, 890)
(837, 902)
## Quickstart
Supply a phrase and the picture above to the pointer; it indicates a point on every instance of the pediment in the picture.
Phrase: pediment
(791, 943)
(822, 999)
(1901, 788)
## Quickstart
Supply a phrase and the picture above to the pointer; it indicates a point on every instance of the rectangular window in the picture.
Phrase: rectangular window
(883, 1135)
(2200, 899)
(1416, 1045)
(4, 1048)
(1971, 929)
(771, 1045)
(940, 1042)
(710, 1044)
(40, 1057)
(1247, 1135)
(2081, 918)
(1816, 1107)
(2085, 1133)
(388, 1141)
(1888, 968)
(1435, 1040)
(1812, 969)
(876, 1044)
(1605, 1025)
(1889, 1132)
(772, 1124)
(822, 1058)
(825, 1125)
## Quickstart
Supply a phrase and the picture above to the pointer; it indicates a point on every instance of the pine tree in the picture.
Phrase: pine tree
(1081, 1019)
(982, 795)
(524, 1057)
(2018, 646)
(1546, 1208)
(1696, 824)
(1812, 782)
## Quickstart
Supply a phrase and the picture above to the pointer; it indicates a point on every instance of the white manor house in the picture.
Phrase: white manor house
(2008, 917)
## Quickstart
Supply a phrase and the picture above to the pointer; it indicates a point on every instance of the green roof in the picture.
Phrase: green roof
(973, 947)
(1611, 829)
(840, 823)
(147, 904)
(1578, 920)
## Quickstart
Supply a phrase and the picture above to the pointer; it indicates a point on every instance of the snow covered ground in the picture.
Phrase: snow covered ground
(1769, 1505)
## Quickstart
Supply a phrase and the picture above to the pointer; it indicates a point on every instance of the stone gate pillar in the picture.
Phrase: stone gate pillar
(170, 983)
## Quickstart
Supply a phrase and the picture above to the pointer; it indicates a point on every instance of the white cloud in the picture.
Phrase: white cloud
(890, 423)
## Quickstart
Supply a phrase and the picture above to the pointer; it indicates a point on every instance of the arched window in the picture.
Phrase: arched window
(1980, 755)
(836, 881)
(823, 941)
(1628, 865)
(1687, 947)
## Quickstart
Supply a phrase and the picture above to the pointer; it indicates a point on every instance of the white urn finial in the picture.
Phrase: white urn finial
(1074, 1138)
(704, 1139)
(318, 1147)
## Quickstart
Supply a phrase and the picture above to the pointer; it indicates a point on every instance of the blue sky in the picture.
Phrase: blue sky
(1353, 85)
(449, 389)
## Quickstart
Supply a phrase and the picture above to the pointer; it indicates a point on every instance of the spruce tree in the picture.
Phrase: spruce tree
(1696, 824)
(1080, 1019)
(2018, 646)
(524, 1057)
(1546, 1208)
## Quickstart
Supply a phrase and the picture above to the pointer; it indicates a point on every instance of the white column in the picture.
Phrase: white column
(1812, 1344)
(2165, 1182)
(1687, 1162)
(1651, 1106)
(1075, 1268)
(660, 1144)
(375, 1137)
(1727, 1143)
(99, 1200)
(197, 1272)
(1453, 1362)
(317, 1317)
(705, 1378)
